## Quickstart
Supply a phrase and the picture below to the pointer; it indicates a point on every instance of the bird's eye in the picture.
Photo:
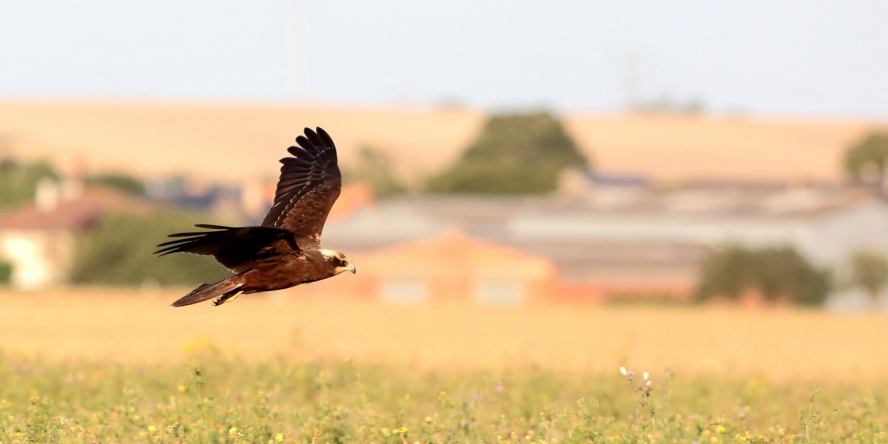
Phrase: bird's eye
(343, 262)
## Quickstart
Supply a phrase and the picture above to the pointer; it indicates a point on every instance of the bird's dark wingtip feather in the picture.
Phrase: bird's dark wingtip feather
(180, 241)
(316, 141)
(328, 141)
(306, 145)
(190, 234)
(296, 151)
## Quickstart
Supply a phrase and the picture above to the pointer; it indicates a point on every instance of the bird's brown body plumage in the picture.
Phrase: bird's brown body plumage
(285, 250)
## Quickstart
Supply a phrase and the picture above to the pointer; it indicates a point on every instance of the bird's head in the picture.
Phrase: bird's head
(338, 261)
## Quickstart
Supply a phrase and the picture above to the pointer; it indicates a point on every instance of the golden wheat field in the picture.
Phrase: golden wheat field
(137, 327)
(241, 141)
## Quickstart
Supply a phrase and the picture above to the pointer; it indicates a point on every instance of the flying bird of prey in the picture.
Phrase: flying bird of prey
(286, 249)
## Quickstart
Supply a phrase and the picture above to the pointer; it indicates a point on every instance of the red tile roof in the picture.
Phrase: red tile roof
(75, 214)
(455, 254)
(352, 198)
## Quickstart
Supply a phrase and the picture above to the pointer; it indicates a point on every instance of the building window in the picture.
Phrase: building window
(501, 292)
(404, 291)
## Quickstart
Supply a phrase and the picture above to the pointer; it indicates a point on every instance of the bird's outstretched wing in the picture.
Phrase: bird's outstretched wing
(309, 184)
(238, 249)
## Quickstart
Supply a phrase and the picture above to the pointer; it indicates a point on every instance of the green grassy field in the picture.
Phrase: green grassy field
(220, 399)
(107, 366)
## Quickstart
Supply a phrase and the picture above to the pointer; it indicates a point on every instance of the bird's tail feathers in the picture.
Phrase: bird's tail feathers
(208, 291)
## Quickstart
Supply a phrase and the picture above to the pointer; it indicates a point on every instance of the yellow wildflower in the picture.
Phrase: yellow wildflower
(181, 388)
(279, 437)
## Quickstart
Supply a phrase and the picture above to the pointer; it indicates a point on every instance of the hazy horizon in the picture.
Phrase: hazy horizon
(798, 59)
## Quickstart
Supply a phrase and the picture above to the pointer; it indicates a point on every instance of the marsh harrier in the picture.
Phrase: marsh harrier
(285, 250)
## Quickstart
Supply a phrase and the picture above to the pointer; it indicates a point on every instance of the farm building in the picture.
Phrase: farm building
(639, 241)
(453, 267)
(38, 239)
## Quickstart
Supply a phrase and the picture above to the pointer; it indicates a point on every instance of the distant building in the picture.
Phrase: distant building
(38, 239)
(232, 201)
(634, 241)
(453, 267)
(350, 200)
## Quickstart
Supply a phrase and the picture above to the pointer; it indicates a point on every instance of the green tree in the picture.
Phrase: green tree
(5, 272)
(375, 168)
(18, 181)
(866, 160)
(514, 154)
(117, 181)
(727, 271)
(782, 271)
(119, 252)
(869, 270)
(773, 271)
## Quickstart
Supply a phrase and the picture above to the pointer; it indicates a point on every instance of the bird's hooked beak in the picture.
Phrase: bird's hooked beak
(344, 268)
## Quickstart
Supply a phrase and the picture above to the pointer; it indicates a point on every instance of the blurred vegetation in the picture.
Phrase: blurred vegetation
(867, 159)
(869, 270)
(376, 168)
(118, 181)
(223, 400)
(119, 252)
(5, 272)
(514, 154)
(774, 272)
(18, 181)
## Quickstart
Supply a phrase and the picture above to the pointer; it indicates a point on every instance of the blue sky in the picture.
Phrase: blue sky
(791, 57)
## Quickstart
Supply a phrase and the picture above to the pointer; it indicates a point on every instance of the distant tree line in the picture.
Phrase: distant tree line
(119, 252)
(118, 181)
(18, 180)
(866, 160)
(5, 272)
(513, 154)
(376, 168)
(522, 153)
(869, 271)
(772, 272)
(782, 273)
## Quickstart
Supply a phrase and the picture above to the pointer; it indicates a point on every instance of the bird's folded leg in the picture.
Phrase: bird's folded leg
(227, 297)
